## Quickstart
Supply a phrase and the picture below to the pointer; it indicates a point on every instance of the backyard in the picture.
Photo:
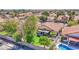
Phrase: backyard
(37, 30)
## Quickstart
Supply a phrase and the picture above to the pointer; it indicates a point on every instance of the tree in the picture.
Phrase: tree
(72, 22)
(17, 36)
(14, 13)
(53, 46)
(30, 28)
(71, 14)
(10, 26)
(44, 40)
(43, 18)
(45, 13)
(60, 13)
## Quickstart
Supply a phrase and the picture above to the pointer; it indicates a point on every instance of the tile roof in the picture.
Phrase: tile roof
(26, 14)
(2, 19)
(53, 26)
(70, 30)
(74, 39)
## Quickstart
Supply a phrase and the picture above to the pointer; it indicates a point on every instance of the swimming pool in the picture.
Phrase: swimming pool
(64, 47)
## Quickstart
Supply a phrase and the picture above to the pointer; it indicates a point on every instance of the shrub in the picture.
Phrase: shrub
(36, 41)
(53, 33)
(4, 33)
(72, 22)
(44, 40)
(53, 46)
(16, 36)
(10, 26)
(62, 38)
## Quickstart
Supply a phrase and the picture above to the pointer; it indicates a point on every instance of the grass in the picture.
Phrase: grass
(4, 33)
(36, 41)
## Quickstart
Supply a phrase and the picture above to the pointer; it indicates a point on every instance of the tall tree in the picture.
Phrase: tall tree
(71, 14)
(30, 28)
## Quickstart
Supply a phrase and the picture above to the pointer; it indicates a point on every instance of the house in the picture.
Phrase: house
(51, 26)
(24, 15)
(70, 30)
(76, 18)
(48, 27)
(2, 19)
(72, 35)
(38, 14)
(51, 17)
(74, 39)
(63, 18)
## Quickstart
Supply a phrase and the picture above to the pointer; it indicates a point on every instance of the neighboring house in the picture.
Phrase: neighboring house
(74, 39)
(76, 18)
(51, 17)
(2, 20)
(7, 16)
(70, 30)
(72, 35)
(24, 15)
(51, 26)
(38, 14)
(63, 18)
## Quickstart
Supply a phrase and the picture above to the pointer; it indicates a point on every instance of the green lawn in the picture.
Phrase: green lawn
(36, 41)
(4, 33)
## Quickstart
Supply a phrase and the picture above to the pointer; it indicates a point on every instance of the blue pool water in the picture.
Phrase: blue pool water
(64, 47)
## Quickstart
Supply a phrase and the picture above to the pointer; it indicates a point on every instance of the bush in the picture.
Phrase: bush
(36, 41)
(62, 38)
(72, 22)
(16, 36)
(44, 40)
(53, 46)
(53, 33)
(10, 26)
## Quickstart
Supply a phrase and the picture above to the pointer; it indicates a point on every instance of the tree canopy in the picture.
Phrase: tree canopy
(30, 28)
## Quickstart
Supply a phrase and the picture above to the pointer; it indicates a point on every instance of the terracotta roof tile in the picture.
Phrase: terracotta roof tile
(54, 26)
(74, 39)
(70, 30)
